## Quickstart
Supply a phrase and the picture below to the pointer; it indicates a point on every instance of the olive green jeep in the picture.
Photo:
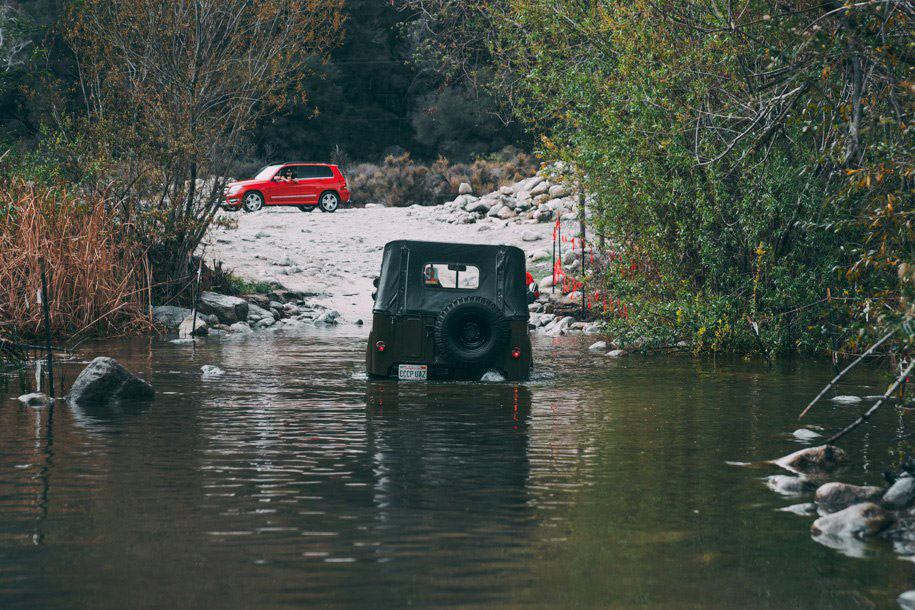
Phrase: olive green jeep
(450, 311)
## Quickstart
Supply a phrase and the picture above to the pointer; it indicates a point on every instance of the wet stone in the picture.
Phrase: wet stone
(901, 493)
(859, 520)
(836, 496)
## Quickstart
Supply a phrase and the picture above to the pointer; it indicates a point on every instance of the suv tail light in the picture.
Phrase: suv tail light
(516, 352)
(379, 346)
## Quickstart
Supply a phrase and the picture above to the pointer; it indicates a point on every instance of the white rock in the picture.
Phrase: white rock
(209, 371)
(531, 236)
(803, 434)
(480, 205)
(616, 353)
(492, 377)
(600, 345)
(558, 190)
(35, 399)
(788, 485)
(371, 206)
(546, 282)
(901, 493)
(906, 600)
(506, 212)
(465, 189)
(864, 519)
(494, 210)
(813, 459)
(540, 188)
(190, 328)
(846, 400)
(506, 190)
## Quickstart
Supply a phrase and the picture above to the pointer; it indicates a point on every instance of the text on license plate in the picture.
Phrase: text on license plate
(412, 372)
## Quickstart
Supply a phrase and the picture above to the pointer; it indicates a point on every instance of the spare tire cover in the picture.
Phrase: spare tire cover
(471, 331)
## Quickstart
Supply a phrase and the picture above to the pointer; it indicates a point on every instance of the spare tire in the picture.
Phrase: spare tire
(471, 332)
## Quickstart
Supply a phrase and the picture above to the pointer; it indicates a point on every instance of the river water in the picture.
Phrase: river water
(292, 480)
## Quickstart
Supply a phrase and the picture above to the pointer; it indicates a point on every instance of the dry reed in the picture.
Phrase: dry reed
(95, 269)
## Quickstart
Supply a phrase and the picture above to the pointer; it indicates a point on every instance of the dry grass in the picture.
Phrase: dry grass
(97, 275)
(401, 181)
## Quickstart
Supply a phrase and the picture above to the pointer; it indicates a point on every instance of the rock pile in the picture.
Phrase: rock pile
(846, 515)
(540, 198)
(220, 313)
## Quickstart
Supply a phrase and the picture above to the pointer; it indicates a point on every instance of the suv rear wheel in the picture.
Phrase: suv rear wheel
(329, 201)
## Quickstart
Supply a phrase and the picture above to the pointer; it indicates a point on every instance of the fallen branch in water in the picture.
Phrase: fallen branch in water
(836, 379)
(864, 416)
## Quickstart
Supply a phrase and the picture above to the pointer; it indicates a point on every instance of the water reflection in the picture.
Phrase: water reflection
(292, 480)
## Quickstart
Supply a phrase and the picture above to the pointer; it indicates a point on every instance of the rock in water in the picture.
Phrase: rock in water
(901, 493)
(105, 380)
(864, 519)
(805, 509)
(906, 601)
(35, 399)
(492, 377)
(228, 309)
(600, 345)
(836, 496)
(789, 486)
(190, 328)
(820, 458)
(616, 353)
(210, 371)
(846, 400)
(803, 434)
(169, 316)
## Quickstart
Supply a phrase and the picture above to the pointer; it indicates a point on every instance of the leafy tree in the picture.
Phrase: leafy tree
(170, 89)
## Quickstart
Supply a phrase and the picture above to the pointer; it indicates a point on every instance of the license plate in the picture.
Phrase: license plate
(412, 372)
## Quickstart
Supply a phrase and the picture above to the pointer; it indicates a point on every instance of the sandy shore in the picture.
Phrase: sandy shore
(337, 255)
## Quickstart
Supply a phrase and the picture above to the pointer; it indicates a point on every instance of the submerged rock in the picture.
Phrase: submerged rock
(492, 377)
(804, 510)
(906, 600)
(864, 519)
(105, 380)
(209, 371)
(803, 434)
(846, 400)
(789, 486)
(35, 399)
(228, 309)
(616, 353)
(820, 458)
(901, 493)
(600, 345)
(836, 496)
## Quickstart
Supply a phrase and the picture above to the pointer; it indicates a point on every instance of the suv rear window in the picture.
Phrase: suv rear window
(304, 172)
(451, 276)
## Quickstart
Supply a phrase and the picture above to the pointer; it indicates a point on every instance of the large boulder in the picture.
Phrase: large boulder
(813, 459)
(105, 380)
(836, 496)
(228, 309)
(465, 189)
(170, 316)
(864, 519)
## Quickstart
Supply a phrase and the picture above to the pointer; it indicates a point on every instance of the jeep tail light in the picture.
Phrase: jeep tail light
(379, 346)
(516, 352)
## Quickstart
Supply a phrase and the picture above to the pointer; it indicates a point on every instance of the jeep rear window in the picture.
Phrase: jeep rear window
(451, 275)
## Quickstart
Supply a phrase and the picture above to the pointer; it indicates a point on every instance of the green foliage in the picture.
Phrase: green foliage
(717, 148)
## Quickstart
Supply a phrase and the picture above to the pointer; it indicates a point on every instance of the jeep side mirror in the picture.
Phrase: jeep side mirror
(375, 282)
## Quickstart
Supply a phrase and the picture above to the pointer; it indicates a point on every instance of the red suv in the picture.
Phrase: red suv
(304, 185)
